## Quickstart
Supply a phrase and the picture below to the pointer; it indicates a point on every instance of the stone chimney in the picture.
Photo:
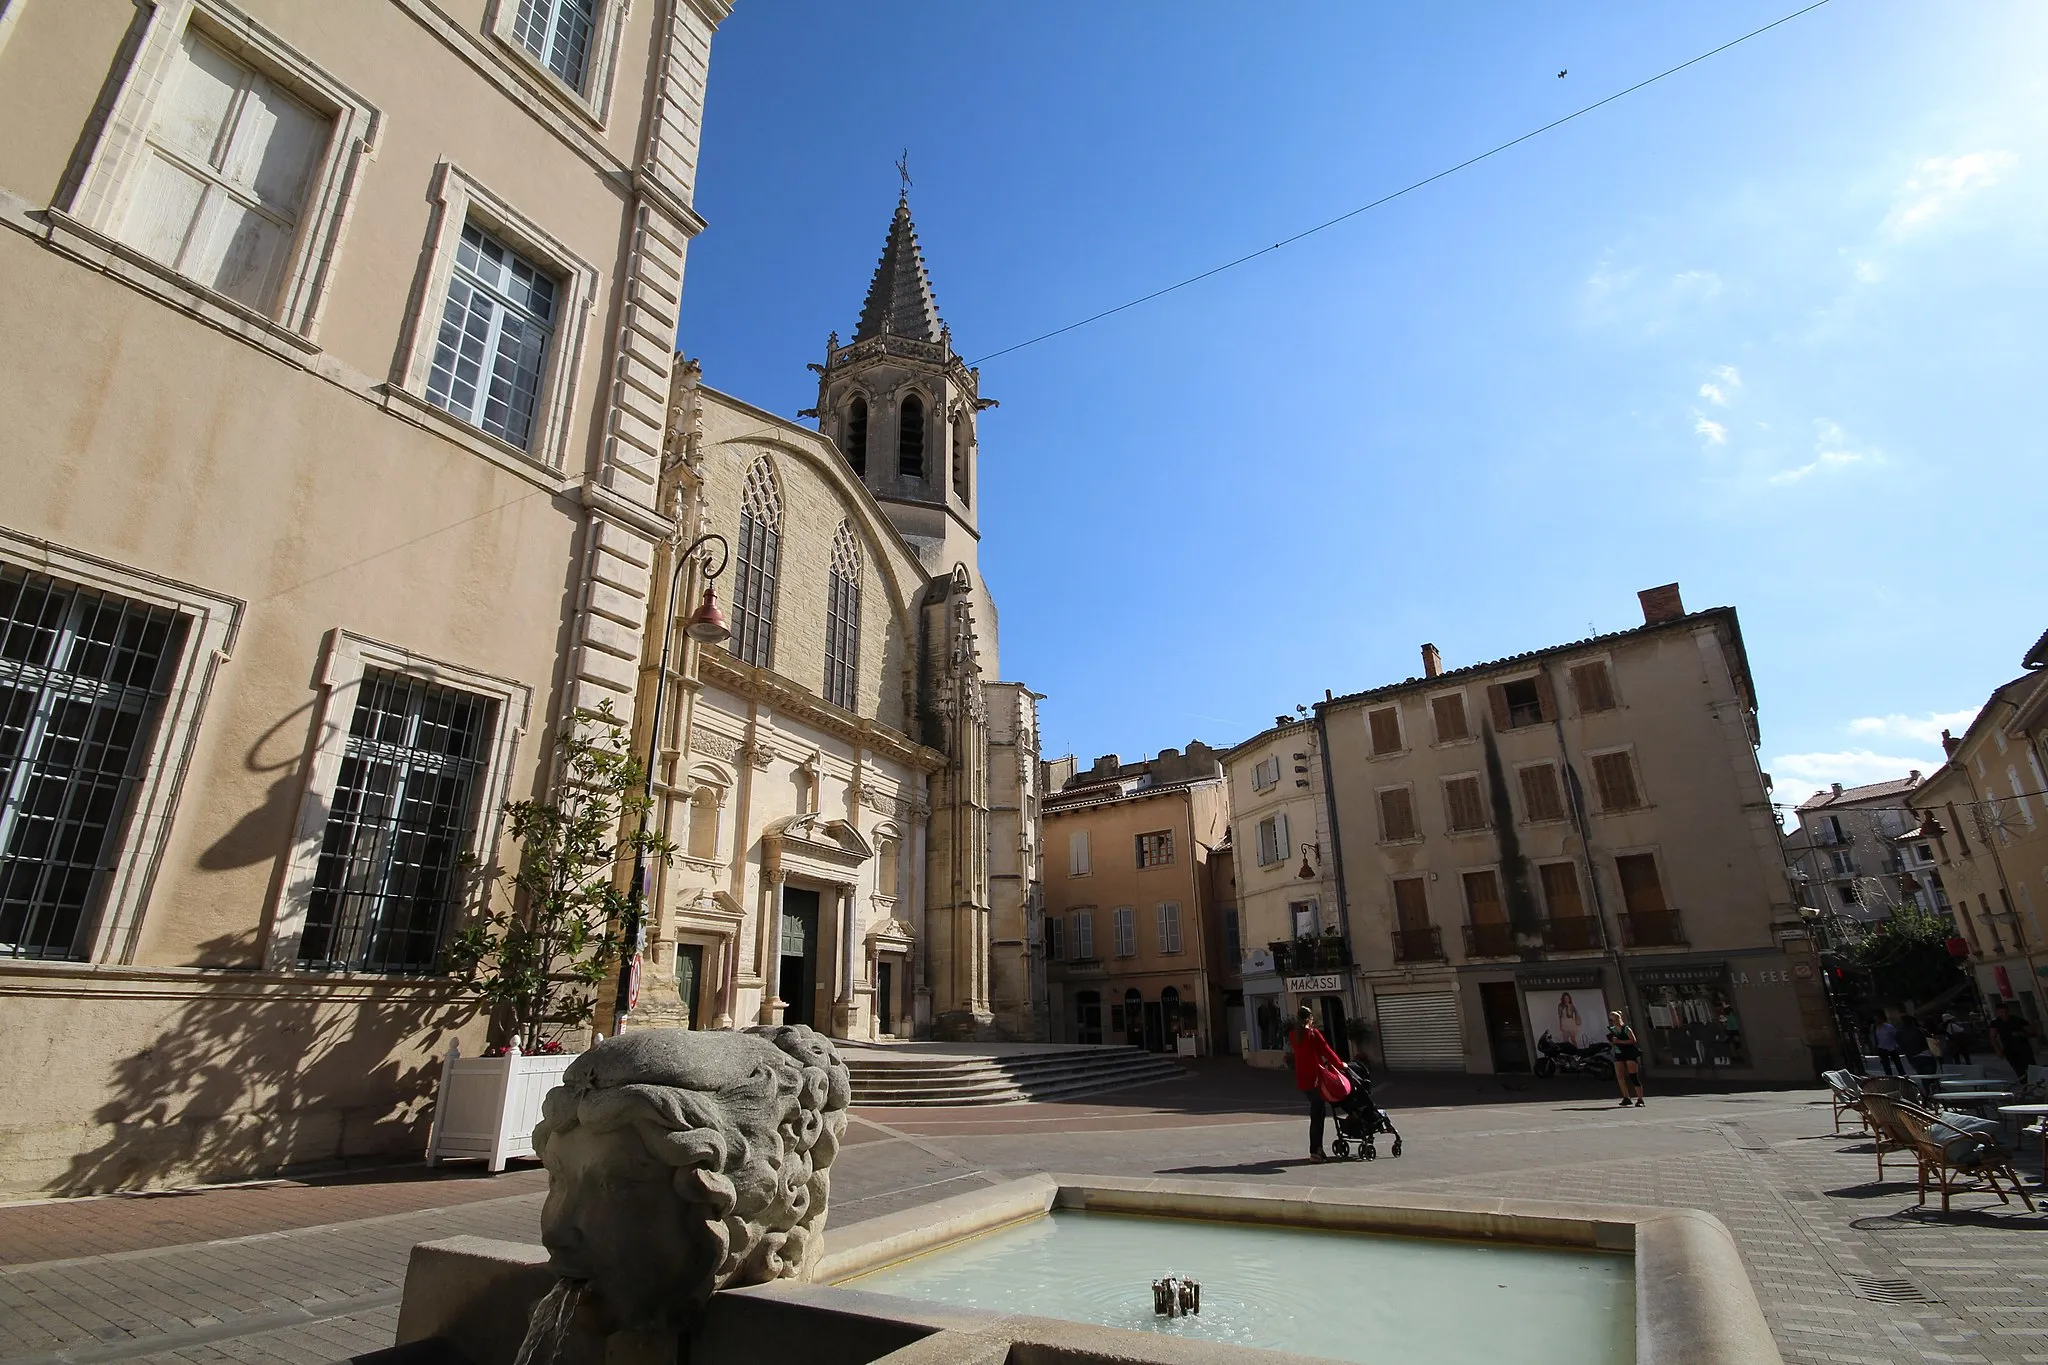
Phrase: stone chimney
(1838, 788)
(1661, 604)
(1108, 764)
(1432, 662)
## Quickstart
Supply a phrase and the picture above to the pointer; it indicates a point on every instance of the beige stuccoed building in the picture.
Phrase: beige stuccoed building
(1987, 814)
(1134, 913)
(1527, 843)
(339, 341)
(854, 791)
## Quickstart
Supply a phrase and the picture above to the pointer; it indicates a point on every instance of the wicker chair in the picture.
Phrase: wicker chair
(1847, 1094)
(1956, 1161)
(1888, 1131)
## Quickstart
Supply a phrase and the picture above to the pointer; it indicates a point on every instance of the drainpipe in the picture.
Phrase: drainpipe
(1336, 863)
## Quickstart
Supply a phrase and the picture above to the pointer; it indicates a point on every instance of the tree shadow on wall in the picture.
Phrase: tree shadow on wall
(255, 1074)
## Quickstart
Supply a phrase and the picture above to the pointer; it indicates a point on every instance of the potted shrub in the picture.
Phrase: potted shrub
(541, 940)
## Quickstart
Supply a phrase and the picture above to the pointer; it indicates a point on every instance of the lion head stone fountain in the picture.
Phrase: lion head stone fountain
(680, 1163)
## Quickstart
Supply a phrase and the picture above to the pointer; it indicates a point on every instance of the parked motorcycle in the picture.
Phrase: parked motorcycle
(1555, 1058)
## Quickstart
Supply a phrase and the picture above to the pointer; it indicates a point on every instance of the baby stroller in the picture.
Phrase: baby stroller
(1359, 1120)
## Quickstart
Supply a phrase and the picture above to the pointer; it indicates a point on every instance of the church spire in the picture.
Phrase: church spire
(900, 301)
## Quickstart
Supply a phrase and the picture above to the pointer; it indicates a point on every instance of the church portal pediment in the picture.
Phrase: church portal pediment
(812, 844)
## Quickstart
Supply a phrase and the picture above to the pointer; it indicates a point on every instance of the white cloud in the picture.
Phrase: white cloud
(1831, 451)
(1728, 375)
(1716, 434)
(1939, 181)
(1696, 284)
(1922, 729)
(1798, 776)
(1712, 393)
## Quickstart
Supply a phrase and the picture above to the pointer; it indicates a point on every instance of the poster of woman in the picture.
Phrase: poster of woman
(1575, 1018)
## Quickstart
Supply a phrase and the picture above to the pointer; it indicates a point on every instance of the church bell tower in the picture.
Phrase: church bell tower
(902, 407)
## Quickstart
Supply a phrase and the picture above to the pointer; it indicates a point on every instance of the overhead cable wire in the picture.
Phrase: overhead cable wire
(1405, 189)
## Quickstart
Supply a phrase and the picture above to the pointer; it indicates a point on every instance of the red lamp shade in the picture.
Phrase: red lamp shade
(707, 624)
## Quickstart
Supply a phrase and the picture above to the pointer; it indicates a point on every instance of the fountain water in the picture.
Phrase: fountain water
(548, 1327)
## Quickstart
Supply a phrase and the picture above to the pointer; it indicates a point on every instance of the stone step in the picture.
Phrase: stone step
(1008, 1078)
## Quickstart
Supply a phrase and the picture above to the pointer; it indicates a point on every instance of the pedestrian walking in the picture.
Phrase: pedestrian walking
(1628, 1058)
(1957, 1033)
(2012, 1039)
(1913, 1044)
(1886, 1040)
(1312, 1056)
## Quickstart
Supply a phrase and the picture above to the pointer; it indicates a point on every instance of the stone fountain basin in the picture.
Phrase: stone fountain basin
(1693, 1299)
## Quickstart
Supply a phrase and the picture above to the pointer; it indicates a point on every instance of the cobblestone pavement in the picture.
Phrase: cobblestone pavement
(1848, 1270)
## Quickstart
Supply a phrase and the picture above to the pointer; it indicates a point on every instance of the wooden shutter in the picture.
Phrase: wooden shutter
(1540, 795)
(1397, 815)
(1169, 926)
(1084, 934)
(1282, 840)
(1077, 854)
(1055, 939)
(1546, 696)
(1593, 687)
(1482, 897)
(1450, 718)
(1615, 779)
(1462, 807)
(1386, 730)
(1641, 890)
(1561, 891)
(1497, 704)
(1411, 903)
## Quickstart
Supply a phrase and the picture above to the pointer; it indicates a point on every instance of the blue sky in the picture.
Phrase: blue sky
(1773, 327)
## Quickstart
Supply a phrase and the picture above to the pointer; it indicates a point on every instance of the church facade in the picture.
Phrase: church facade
(852, 790)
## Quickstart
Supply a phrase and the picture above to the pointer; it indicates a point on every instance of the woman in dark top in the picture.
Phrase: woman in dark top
(1628, 1058)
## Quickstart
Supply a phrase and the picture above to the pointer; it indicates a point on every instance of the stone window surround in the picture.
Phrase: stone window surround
(1564, 799)
(100, 197)
(212, 622)
(458, 199)
(1471, 735)
(344, 658)
(1635, 768)
(594, 104)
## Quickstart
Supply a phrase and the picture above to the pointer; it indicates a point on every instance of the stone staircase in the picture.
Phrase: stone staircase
(910, 1075)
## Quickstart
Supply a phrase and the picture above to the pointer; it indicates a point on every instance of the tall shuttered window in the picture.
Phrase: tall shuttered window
(1464, 806)
(1397, 815)
(857, 436)
(1125, 918)
(1083, 922)
(842, 620)
(1614, 776)
(229, 159)
(1450, 717)
(1593, 686)
(1541, 798)
(83, 677)
(1055, 939)
(1078, 864)
(760, 552)
(1169, 927)
(558, 33)
(492, 348)
(1385, 725)
(910, 438)
(404, 807)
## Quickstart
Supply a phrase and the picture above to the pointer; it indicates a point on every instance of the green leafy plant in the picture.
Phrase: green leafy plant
(1906, 957)
(536, 956)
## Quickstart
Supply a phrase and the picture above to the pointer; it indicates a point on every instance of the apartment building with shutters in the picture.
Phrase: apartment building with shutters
(1985, 809)
(1133, 911)
(339, 341)
(1530, 842)
(1295, 948)
(1857, 854)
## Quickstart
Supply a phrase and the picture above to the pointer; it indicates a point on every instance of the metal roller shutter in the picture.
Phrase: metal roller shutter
(1420, 1032)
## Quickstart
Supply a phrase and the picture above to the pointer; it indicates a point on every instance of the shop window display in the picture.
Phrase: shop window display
(1692, 1019)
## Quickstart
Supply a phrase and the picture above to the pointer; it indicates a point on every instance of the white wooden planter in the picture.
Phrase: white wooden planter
(488, 1106)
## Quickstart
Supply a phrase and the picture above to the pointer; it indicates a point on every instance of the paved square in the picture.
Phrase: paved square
(1848, 1269)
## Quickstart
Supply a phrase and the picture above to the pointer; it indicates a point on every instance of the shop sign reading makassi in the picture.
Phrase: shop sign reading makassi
(1314, 985)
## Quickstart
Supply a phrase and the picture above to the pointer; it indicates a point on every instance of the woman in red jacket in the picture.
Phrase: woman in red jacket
(1312, 1052)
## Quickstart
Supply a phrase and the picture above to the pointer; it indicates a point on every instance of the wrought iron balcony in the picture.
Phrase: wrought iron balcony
(1576, 934)
(1652, 929)
(1310, 953)
(1490, 940)
(1419, 945)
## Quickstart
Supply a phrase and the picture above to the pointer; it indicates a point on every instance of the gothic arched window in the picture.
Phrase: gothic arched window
(857, 436)
(963, 447)
(910, 438)
(753, 589)
(842, 621)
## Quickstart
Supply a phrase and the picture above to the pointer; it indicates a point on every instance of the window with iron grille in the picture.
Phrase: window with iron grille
(492, 348)
(1155, 849)
(1169, 926)
(83, 676)
(403, 810)
(558, 33)
(842, 620)
(753, 592)
(1125, 920)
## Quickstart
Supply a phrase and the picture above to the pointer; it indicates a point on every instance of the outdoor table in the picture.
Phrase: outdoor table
(1973, 1099)
(2032, 1111)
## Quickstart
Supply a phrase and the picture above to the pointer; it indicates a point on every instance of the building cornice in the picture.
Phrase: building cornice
(800, 704)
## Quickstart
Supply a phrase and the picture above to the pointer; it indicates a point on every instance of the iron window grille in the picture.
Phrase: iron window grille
(404, 806)
(557, 33)
(83, 677)
(493, 345)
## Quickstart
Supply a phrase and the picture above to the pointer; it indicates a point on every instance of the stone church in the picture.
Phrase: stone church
(853, 791)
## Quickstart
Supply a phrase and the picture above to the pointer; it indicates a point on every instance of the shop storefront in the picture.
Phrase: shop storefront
(1690, 1019)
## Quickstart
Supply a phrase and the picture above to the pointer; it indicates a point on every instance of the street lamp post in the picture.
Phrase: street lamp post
(706, 626)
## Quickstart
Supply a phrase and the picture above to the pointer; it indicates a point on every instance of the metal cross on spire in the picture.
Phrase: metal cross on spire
(903, 170)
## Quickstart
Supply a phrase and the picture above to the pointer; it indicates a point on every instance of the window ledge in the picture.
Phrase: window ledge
(1454, 743)
(1638, 810)
(1469, 833)
(403, 402)
(541, 79)
(1393, 843)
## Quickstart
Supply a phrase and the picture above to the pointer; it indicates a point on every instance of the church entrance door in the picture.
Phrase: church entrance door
(798, 980)
(1155, 1027)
